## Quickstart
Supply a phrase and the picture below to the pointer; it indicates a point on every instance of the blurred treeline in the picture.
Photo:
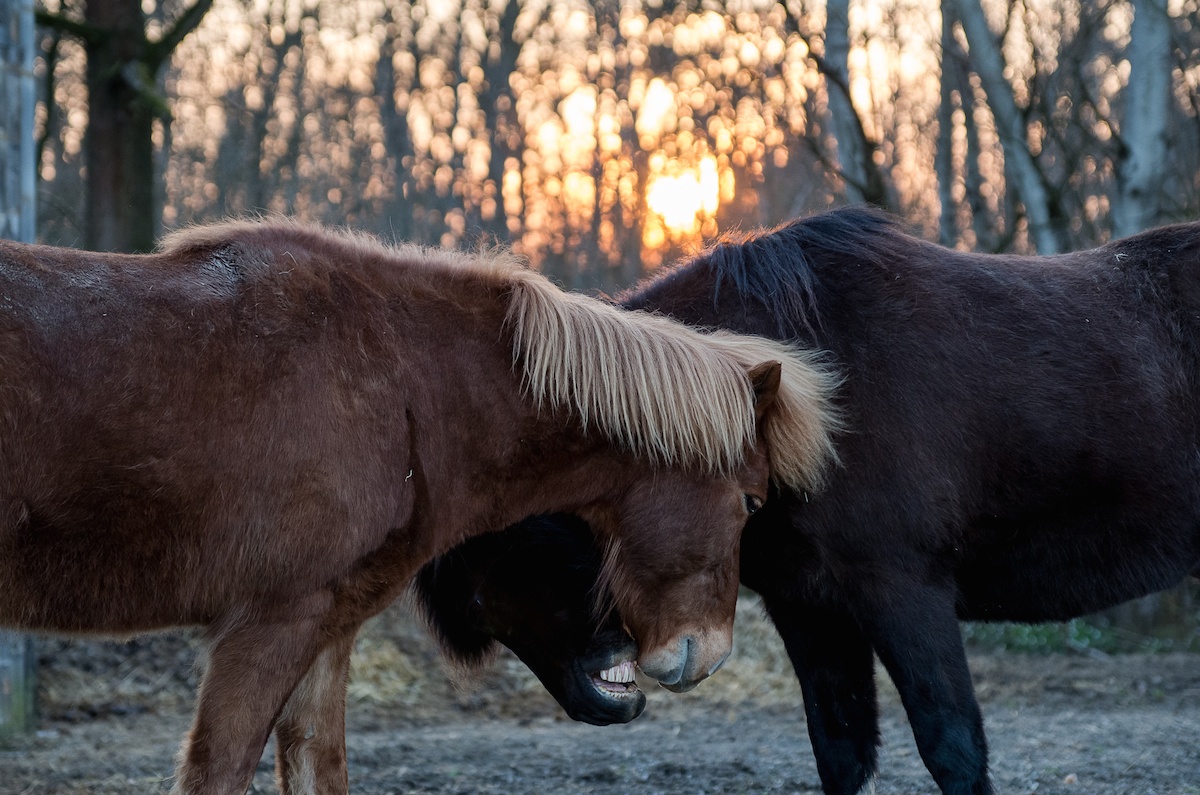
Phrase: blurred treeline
(602, 138)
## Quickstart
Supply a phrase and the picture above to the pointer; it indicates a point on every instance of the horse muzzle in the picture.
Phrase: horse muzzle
(684, 663)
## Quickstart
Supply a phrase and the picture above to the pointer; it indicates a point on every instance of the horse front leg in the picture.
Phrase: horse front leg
(310, 757)
(253, 666)
(836, 667)
(914, 629)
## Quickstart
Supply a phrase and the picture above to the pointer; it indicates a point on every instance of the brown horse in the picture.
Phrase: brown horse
(266, 429)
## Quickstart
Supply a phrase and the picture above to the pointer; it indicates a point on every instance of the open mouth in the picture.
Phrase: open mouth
(617, 681)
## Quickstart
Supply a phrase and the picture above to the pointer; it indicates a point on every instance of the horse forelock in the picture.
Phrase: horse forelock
(611, 589)
(803, 420)
(464, 647)
(652, 385)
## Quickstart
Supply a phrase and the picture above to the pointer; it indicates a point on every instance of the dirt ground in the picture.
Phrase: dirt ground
(113, 715)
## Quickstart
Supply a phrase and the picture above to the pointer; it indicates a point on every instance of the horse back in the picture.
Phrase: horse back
(190, 428)
(1029, 424)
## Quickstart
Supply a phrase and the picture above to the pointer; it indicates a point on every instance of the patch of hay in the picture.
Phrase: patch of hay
(382, 674)
(83, 678)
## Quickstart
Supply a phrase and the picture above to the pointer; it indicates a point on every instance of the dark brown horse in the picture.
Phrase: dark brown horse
(1023, 443)
(533, 589)
(267, 429)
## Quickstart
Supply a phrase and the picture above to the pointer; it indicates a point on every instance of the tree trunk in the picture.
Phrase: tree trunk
(1141, 167)
(397, 143)
(944, 160)
(118, 150)
(500, 114)
(123, 101)
(17, 204)
(856, 153)
(17, 99)
(1044, 217)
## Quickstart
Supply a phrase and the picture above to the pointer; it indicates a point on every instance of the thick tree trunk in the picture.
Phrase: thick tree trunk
(123, 102)
(17, 203)
(17, 98)
(1141, 168)
(119, 149)
(1044, 218)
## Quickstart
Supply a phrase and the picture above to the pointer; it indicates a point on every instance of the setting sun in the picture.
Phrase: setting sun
(684, 197)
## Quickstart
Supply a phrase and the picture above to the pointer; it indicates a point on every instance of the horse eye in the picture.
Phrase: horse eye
(753, 503)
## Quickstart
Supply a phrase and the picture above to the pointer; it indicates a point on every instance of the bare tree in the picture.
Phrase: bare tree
(17, 199)
(123, 68)
(499, 107)
(393, 116)
(1042, 212)
(944, 162)
(1142, 160)
(856, 151)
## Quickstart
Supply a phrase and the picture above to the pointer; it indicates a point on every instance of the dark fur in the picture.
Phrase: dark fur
(1023, 444)
(467, 598)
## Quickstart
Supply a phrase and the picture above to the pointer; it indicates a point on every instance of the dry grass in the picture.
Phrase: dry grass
(396, 667)
(396, 663)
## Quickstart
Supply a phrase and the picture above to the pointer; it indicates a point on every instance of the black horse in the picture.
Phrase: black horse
(1022, 443)
(532, 588)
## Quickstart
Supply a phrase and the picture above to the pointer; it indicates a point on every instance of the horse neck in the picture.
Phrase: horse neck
(685, 294)
(483, 454)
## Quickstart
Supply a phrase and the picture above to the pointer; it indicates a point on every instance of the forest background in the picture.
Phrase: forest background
(601, 139)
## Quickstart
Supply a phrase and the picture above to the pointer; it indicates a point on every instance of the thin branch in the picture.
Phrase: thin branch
(52, 53)
(81, 30)
(159, 51)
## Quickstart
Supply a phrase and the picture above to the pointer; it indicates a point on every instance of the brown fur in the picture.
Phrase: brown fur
(266, 429)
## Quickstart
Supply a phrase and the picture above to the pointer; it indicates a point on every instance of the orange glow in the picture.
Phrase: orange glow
(685, 197)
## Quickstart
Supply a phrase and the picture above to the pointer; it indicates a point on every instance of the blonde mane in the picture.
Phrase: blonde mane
(657, 387)
(668, 391)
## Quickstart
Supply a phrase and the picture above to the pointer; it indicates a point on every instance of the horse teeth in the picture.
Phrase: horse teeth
(622, 673)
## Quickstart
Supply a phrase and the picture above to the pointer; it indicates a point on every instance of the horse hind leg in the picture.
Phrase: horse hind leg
(310, 734)
(253, 666)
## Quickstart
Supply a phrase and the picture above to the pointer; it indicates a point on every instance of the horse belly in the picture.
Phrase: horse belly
(1048, 574)
(74, 579)
(138, 553)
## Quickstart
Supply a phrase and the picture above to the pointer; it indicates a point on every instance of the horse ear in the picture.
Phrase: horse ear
(765, 379)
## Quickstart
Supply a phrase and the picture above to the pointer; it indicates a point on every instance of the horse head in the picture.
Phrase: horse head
(684, 432)
(670, 546)
(532, 588)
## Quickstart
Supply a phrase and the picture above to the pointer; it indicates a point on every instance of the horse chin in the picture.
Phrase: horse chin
(606, 695)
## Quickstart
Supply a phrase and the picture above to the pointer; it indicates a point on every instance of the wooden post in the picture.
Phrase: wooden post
(17, 197)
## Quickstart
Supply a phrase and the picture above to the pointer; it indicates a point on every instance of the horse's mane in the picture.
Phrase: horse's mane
(669, 391)
(657, 387)
(774, 266)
